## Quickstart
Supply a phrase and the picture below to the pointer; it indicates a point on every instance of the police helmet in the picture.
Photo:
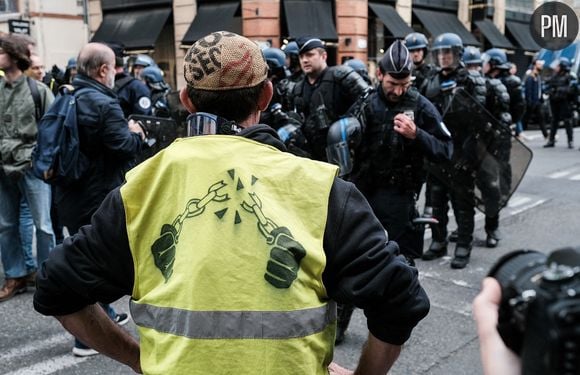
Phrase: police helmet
(274, 57)
(360, 67)
(153, 77)
(496, 58)
(447, 42)
(276, 60)
(357, 65)
(291, 48)
(72, 63)
(564, 64)
(397, 61)
(144, 60)
(415, 41)
(471, 56)
(343, 137)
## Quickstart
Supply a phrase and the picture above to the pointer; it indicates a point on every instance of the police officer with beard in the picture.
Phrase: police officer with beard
(401, 129)
(451, 73)
(418, 45)
(323, 95)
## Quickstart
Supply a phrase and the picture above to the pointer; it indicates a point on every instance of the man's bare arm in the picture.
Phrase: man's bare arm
(93, 327)
(377, 357)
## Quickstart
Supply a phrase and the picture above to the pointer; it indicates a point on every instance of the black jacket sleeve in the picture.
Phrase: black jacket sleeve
(432, 135)
(364, 268)
(81, 271)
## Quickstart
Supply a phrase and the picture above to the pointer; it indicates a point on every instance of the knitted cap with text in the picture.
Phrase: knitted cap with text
(224, 61)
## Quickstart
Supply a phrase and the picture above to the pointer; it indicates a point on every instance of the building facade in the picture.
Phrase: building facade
(361, 29)
(58, 27)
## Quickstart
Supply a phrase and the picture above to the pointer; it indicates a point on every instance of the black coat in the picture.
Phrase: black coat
(109, 146)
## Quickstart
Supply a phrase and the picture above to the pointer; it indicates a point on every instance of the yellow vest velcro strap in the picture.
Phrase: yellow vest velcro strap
(234, 324)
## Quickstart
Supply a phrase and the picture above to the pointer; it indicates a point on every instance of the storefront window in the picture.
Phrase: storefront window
(524, 6)
(7, 6)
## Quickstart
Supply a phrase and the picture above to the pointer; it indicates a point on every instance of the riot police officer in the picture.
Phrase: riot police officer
(323, 94)
(279, 76)
(561, 93)
(133, 94)
(293, 61)
(360, 67)
(472, 58)
(401, 129)
(506, 103)
(439, 89)
(418, 45)
(153, 78)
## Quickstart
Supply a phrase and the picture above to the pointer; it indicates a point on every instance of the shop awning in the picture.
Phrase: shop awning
(391, 19)
(493, 35)
(136, 29)
(213, 17)
(310, 18)
(522, 35)
(438, 23)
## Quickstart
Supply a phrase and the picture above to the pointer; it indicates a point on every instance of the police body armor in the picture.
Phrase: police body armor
(517, 102)
(478, 140)
(422, 75)
(333, 95)
(390, 159)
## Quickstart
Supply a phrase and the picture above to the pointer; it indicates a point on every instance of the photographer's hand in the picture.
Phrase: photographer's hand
(496, 358)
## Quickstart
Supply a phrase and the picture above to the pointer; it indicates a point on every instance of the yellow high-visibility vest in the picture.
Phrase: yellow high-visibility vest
(226, 236)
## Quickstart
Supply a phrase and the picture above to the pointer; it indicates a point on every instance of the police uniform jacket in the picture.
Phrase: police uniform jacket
(362, 266)
(134, 95)
(387, 158)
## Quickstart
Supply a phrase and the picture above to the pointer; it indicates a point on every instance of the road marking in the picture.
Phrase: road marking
(35, 346)
(561, 174)
(516, 205)
(518, 200)
(529, 206)
(575, 177)
(50, 366)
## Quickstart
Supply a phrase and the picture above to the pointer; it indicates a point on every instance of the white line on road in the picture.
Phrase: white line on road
(575, 177)
(518, 201)
(50, 366)
(35, 346)
(561, 174)
(525, 208)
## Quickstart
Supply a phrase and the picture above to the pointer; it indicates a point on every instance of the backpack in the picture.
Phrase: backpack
(57, 158)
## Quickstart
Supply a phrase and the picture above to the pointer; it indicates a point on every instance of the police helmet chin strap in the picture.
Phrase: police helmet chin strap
(202, 123)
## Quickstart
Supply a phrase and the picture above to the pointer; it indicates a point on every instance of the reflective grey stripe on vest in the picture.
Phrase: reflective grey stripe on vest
(234, 324)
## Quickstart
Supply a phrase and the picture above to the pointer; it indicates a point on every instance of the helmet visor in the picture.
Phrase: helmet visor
(339, 154)
(446, 58)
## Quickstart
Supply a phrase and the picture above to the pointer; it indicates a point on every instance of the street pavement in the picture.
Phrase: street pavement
(542, 215)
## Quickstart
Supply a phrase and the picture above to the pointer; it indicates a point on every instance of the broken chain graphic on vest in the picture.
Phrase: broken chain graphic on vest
(163, 248)
(285, 254)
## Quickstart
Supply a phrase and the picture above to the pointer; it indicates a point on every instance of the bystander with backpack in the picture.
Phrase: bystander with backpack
(22, 102)
(106, 142)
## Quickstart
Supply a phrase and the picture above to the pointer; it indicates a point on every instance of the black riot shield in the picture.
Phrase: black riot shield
(488, 161)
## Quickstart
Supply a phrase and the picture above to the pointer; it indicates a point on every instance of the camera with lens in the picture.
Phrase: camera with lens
(539, 315)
